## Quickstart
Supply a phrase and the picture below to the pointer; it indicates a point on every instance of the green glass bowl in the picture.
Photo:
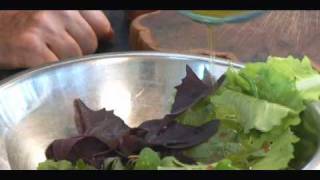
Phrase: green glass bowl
(217, 21)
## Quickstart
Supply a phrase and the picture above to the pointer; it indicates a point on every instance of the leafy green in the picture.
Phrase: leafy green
(180, 166)
(168, 161)
(272, 150)
(81, 165)
(198, 114)
(256, 150)
(148, 160)
(250, 112)
(64, 165)
(260, 81)
(308, 132)
(264, 100)
(224, 143)
(280, 150)
(238, 83)
(225, 164)
(307, 79)
(55, 165)
(113, 163)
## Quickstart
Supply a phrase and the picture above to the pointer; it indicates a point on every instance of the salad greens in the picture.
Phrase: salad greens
(249, 112)
(150, 160)
(307, 80)
(64, 165)
(259, 109)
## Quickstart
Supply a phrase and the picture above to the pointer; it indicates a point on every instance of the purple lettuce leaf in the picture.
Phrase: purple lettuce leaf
(190, 91)
(75, 148)
(102, 124)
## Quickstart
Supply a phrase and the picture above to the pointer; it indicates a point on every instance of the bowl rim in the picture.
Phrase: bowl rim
(25, 74)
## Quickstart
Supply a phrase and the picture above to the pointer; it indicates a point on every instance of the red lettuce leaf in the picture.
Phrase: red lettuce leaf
(190, 91)
(173, 135)
(102, 124)
(72, 149)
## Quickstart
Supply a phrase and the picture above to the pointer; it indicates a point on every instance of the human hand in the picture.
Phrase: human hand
(32, 38)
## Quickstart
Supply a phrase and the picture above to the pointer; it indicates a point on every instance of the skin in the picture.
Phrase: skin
(33, 38)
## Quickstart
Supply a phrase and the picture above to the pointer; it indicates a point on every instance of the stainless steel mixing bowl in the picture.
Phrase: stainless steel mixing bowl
(36, 105)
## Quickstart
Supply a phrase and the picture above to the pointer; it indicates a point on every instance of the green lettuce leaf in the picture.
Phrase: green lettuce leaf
(64, 165)
(307, 79)
(168, 161)
(223, 144)
(113, 163)
(148, 160)
(263, 82)
(174, 164)
(199, 114)
(235, 82)
(249, 112)
(55, 165)
(225, 164)
(278, 148)
(265, 151)
(308, 132)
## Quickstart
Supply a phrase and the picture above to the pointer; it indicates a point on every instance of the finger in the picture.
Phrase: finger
(47, 56)
(50, 56)
(99, 23)
(32, 51)
(64, 46)
(82, 33)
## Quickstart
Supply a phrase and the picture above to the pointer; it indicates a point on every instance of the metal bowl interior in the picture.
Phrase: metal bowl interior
(36, 105)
